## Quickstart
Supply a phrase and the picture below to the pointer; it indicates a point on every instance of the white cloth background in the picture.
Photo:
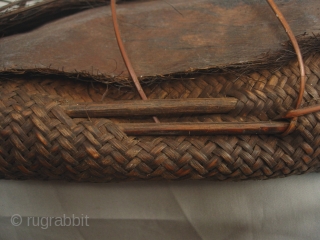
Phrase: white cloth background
(287, 208)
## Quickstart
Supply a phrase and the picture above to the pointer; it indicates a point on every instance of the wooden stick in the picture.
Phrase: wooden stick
(202, 128)
(125, 55)
(151, 107)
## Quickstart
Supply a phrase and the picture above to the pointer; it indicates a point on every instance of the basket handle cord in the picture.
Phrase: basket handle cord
(125, 55)
(293, 114)
(296, 49)
(298, 111)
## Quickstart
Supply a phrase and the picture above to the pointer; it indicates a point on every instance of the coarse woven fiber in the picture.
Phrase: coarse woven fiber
(39, 141)
(22, 15)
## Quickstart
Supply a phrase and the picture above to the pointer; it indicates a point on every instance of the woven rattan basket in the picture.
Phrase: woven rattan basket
(41, 137)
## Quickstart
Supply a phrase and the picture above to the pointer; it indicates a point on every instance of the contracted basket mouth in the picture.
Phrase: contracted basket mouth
(154, 108)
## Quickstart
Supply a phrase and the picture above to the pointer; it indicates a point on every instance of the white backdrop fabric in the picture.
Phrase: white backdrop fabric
(287, 208)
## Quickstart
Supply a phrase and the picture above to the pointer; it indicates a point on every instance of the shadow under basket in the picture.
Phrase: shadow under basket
(41, 139)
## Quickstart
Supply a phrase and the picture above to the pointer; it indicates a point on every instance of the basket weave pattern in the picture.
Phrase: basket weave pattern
(39, 141)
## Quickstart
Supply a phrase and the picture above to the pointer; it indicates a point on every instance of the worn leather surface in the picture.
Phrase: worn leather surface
(161, 37)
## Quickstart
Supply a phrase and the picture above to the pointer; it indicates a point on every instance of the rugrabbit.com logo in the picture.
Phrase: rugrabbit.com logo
(46, 222)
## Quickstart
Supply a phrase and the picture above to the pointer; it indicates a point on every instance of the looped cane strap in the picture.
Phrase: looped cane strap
(281, 19)
(296, 47)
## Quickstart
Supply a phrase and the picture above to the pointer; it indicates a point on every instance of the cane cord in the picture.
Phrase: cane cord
(293, 114)
(125, 55)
